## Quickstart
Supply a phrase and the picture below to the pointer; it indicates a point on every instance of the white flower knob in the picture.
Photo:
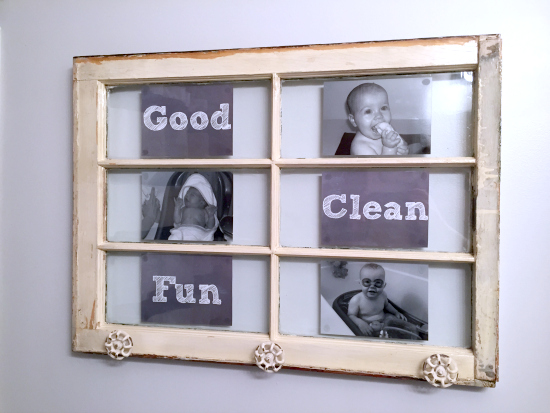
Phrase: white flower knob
(440, 370)
(119, 344)
(269, 357)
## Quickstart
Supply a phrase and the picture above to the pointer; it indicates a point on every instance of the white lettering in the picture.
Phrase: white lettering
(355, 213)
(393, 211)
(178, 120)
(204, 294)
(411, 216)
(161, 120)
(369, 207)
(224, 114)
(372, 209)
(203, 120)
(160, 287)
(189, 288)
(326, 206)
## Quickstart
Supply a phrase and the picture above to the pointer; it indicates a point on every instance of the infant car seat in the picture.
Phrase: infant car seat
(340, 305)
(222, 186)
(418, 143)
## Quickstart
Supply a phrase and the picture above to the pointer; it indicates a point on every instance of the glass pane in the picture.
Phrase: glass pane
(431, 112)
(251, 123)
(241, 215)
(310, 287)
(250, 292)
(449, 206)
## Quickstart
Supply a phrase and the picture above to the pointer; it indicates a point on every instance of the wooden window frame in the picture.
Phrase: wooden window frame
(478, 365)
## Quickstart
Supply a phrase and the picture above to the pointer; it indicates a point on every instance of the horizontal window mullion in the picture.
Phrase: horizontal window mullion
(425, 256)
(184, 163)
(377, 162)
(206, 249)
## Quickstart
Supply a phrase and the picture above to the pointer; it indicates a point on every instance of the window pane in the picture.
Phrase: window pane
(446, 309)
(449, 209)
(251, 123)
(242, 210)
(431, 112)
(250, 292)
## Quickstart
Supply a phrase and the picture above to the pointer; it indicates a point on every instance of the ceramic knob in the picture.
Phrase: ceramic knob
(119, 344)
(269, 357)
(440, 370)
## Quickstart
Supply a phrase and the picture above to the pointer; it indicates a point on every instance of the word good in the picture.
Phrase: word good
(159, 296)
(178, 120)
(371, 209)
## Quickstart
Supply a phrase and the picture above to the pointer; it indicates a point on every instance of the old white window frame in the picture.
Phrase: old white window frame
(478, 365)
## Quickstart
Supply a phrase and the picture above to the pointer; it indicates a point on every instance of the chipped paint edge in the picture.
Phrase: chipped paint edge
(213, 54)
(80, 307)
(487, 214)
(449, 53)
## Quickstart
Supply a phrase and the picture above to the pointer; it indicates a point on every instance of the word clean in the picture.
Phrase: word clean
(159, 297)
(371, 210)
(178, 120)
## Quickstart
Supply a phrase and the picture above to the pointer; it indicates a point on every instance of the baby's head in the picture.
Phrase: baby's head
(194, 199)
(367, 106)
(373, 280)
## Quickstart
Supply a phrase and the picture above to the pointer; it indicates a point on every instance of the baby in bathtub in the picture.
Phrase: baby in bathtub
(195, 211)
(371, 310)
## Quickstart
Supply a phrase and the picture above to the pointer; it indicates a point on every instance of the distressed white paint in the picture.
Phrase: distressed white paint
(487, 191)
(388, 359)
(315, 61)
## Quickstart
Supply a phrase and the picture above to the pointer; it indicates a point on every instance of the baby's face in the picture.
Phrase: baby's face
(194, 199)
(373, 282)
(369, 109)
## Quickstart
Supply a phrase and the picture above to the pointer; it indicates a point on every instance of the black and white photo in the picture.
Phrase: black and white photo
(371, 299)
(377, 116)
(187, 205)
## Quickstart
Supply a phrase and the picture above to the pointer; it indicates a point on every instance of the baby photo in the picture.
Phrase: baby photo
(378, 300)
(187, 205)
(377, 116)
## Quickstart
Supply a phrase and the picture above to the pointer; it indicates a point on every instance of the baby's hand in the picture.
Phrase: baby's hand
(403, 148)
(179, 202)
(178, 211)
(211, 210)
(365, 328)
(401, 316)
(151, 208)
(390, 139)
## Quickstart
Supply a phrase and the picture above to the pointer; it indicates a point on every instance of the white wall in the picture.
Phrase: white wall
(39, 38)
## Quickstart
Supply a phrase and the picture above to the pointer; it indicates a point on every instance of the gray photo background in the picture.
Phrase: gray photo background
(157, 180)
(203, 142)
(187, 269)
(410, 99)
(406, 286)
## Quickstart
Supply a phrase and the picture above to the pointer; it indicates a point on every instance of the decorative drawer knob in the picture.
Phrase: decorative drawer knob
(119, 344)
(440, 370)
(269, 357)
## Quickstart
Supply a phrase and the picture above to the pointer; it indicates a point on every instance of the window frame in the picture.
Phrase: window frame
(478, 365)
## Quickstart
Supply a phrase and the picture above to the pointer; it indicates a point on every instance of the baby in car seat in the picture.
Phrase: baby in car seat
(195, 211)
